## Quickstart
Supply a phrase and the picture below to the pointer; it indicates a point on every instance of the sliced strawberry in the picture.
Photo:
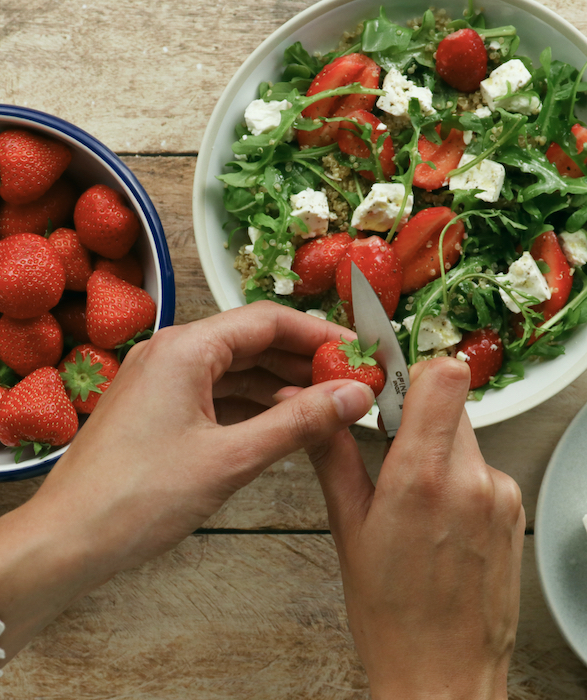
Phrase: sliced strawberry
(345, 70)
(380, 264)
(547, 248)
(352, 144)
(461, 60)
(315, 262)
(343, 359)
(484, 354)
(445, 157)
(416, 245)
(564, 163)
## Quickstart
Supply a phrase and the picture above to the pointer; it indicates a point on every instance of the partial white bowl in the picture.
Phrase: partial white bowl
(93, 163)
(319, 28)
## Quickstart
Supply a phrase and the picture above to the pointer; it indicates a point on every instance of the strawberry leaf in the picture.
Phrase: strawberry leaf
(356, 356)
(123, 348)
(41, 449)
(81, 377)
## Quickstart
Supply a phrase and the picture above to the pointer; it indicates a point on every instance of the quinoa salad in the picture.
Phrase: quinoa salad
(454, 156)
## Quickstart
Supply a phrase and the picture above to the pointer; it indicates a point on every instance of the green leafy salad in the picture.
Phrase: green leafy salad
(433, 150)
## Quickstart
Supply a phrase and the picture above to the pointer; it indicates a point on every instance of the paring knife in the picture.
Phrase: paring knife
(372, 324)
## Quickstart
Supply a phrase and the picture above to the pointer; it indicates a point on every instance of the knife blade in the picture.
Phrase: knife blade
(372, 324)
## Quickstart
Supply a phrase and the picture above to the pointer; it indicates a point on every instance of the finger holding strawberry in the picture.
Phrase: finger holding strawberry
(344, 359)
(87, 372)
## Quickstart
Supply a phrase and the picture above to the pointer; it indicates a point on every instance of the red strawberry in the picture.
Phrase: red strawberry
(380, 264)
(484, 355)
(128, 268)
(71, 316)
(345, 70)
(37, 410)
(52, 210)
(116, 310)
(564, 163)
(559, 276)
(350, 142)
(416, 245)
(74, 256)
(445, 157)
(343, 359)
(29, 343)
(461, 60)
(87, 371)
(29, 165)
(315, 262)
(32, 277)
(104, 222)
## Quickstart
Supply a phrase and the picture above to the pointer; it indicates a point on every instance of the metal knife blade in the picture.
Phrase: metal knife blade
(372, 324)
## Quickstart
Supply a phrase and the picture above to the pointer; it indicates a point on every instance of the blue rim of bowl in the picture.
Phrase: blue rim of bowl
(167, 312)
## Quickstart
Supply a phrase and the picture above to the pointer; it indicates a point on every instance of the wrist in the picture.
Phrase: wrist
(466, 686)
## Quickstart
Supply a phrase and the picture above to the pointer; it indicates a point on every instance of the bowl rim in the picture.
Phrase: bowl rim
(32, 117)
(534, 8)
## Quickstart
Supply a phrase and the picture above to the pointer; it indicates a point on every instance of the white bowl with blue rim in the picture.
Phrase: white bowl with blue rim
(319, 28)
(93, 163)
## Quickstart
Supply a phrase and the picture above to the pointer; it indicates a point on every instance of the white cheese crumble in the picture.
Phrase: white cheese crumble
(482, 112)
(507, 78)
(487, 176)
(524, 276)
(282, 285)
(379, 209)
(396, 326)
(574, 247)
(398, 93)
(462, 356)
(311, 207)
(262, 117)
(436, 332)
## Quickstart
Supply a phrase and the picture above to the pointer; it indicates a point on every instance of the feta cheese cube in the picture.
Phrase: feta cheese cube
(396, 326)
(399, 91)
(488, 176)
(261, 116)
(509, 77)
(482, 112)
(462, 356)
(522, 104)
(436, 332)
(318, 313)
(379, 209)
(282, 284)
(574, 247)
(523, 276)
(311, 207)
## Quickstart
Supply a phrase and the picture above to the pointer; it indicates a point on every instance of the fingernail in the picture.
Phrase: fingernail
(352, 401)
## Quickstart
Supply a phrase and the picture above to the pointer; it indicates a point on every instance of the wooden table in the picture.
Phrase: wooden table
(252, 607)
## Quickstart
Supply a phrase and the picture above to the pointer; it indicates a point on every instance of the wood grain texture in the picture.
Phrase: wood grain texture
(257, 617)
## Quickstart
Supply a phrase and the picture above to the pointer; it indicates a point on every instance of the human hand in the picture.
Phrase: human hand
(153, 461)
(431, 556)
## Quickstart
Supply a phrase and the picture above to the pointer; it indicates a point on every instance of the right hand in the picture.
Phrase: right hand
(431, 556)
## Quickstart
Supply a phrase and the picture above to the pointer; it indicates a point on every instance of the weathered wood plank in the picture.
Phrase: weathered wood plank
(143, 77)
(249, 616)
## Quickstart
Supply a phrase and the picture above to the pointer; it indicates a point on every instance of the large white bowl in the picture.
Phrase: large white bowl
(93, 163)
(319, 29)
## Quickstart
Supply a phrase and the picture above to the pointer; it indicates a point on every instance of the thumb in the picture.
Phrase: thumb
(309, 416)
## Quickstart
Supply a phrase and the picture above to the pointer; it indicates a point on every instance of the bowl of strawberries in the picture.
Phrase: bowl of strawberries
(85, 273)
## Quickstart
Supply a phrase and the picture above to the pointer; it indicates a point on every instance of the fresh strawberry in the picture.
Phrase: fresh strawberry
(564, 163)
(461, 60)
(116, 310)
(445, 157)
(104, 222)
(416, 245)
(380, 264)
(29, 343)
(483, 352)
(343, 359)
(559, 275)
(71, 316)
(315, 262)
(351, 143)
(128, 268)
(74, 256)
(37, 410)
(345, 70)
(32, 277)
(29, 165)
(53, 210)
(87, 371)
